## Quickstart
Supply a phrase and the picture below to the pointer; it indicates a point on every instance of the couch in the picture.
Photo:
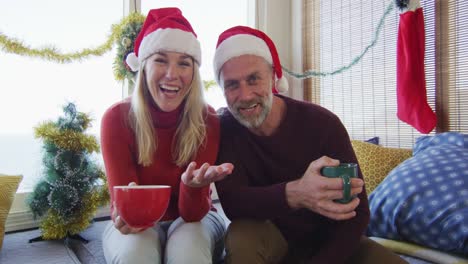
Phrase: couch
(393, 209)
(418, 197)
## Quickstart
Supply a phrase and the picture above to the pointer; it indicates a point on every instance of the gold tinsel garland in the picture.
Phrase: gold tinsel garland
(54, 226)
(51, 53)
(69, 139)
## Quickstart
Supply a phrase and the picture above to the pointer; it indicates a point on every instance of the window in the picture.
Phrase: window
(449, 61)
(34, 90)
(364, 97)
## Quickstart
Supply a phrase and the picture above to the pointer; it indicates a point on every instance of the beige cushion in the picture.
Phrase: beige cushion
(8, 187)
(377, 161)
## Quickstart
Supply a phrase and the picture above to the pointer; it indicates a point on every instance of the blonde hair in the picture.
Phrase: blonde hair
(191, 129)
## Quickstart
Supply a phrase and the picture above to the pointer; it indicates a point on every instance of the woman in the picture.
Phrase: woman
(161, 136)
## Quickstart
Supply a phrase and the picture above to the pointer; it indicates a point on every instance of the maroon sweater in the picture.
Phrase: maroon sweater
(263, 166)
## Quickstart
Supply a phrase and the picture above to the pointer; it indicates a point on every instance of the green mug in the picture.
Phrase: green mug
(345, 171)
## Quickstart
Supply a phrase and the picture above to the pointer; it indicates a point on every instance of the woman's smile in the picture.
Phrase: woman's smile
(169, 89)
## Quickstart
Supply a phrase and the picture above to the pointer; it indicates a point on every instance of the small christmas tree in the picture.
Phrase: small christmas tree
(69, 193)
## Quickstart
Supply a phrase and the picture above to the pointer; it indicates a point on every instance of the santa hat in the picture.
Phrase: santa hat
(165, 29)
(240, 40)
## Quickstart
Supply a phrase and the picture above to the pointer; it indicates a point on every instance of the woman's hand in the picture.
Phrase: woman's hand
(206, 174)
(120, 224)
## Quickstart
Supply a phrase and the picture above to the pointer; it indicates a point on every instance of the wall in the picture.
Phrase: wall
(282, 21)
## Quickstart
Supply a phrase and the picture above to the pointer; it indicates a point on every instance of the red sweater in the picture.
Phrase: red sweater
(119, 151)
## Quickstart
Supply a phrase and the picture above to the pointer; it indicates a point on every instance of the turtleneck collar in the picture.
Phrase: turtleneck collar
(163, 119)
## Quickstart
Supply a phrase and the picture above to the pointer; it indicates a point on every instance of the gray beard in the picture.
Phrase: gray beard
(265, 103)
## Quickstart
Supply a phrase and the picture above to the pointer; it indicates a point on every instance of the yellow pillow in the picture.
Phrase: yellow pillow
(377, 161)
(8, 187)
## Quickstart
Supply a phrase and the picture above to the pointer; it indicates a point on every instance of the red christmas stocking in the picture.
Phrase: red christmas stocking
(411, 82)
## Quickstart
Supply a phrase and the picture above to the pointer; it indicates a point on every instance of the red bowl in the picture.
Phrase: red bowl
(140, 206)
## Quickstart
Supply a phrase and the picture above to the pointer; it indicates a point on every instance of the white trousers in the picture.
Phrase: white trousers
(174, 242)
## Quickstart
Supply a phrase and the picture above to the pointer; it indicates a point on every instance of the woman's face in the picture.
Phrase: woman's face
(169, 76)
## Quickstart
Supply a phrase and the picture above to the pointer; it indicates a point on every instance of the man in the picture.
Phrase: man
(281, 207)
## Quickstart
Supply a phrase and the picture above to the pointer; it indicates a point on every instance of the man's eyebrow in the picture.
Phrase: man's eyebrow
(253, 74)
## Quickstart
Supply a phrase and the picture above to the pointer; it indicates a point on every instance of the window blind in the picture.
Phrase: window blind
(364, 96)
(451, 57)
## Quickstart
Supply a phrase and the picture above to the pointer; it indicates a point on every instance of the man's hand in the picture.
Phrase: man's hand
(316, 192)
(206, 174)
(120, 224)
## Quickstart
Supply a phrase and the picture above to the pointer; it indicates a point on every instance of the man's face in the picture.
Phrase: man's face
(247, 82)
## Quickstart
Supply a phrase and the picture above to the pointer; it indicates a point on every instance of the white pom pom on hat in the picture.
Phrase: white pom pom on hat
(413, 5)
(164, 29)
(241, 40)
(282, 85)
(132, 61)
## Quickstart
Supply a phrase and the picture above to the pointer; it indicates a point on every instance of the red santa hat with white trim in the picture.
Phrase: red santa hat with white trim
(165, 29)
(241, 40)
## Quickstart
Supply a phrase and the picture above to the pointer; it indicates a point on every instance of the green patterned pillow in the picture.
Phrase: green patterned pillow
(377, 161)
(8, 187)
